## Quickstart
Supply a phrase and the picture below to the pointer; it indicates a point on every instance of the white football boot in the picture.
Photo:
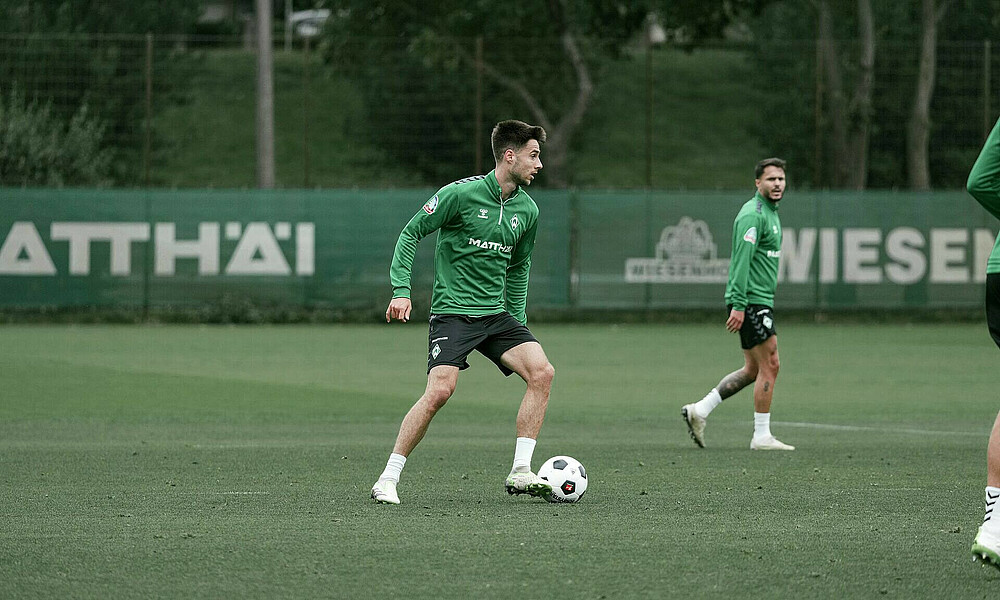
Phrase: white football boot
(769, 443)
(695, 423)
(528, 483)
(384, 492)
(986, 548)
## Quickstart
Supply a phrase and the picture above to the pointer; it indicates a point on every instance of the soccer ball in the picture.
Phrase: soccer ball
(567, 476)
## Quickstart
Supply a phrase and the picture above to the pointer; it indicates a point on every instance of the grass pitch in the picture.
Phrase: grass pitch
(207, 462)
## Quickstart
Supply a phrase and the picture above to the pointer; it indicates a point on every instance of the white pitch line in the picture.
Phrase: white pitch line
(983, 434)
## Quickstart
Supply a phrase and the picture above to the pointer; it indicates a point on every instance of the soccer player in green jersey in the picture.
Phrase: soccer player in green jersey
(486, 231)
(753, 277)
(984, 185)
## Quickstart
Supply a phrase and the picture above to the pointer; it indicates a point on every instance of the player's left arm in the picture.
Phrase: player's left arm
(517, 274)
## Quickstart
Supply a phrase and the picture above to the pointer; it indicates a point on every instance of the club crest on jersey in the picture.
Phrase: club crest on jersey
(514, 222)
(750, 235)
(431, 205)
(436, 351)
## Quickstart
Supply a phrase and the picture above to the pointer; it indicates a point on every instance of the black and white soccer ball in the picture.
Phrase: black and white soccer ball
(567, 476)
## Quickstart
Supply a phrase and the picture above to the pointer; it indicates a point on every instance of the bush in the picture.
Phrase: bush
(38, 149)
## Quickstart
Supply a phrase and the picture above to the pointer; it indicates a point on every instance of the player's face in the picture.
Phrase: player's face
(771, 184)
(526, 163)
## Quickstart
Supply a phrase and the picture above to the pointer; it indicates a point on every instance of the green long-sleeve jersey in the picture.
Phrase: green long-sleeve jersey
(984, 185)
(753, 270)
(483, 251)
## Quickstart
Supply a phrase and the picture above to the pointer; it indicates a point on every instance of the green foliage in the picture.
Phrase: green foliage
(427, 54)
(205, 140)
(37, 148)
(786, 82)
(114, 17)
(94, 51)
(703, 107)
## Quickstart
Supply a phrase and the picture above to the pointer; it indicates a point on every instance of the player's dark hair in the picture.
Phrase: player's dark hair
(767, 162)
(514, 134)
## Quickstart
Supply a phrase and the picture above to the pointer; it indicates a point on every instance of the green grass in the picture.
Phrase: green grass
(703, 107)
(208, 140)
(203, 462)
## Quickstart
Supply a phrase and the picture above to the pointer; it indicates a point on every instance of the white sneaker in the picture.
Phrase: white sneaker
(695, 423)
(986, 548)
(384, 492)
(528, 483)
(769, 443)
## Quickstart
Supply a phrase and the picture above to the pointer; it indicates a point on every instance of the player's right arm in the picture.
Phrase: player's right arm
(984, 180)
(433, 215)
(745, 234)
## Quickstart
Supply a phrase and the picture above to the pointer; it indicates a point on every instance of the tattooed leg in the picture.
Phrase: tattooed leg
(734, 382)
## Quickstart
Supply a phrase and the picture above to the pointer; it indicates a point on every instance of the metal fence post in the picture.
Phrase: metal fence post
(987, 68)
(305, 112)
(818, 121)
(265, 97)
(147, 141)
(649, 115)
(478, 134)
(146, 158)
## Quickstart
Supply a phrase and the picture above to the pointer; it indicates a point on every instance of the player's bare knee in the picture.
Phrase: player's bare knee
(543, 376)
(437, 393)
(772, 365)
(436, 396)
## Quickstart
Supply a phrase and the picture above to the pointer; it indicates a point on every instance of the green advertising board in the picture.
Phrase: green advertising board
(611, 250)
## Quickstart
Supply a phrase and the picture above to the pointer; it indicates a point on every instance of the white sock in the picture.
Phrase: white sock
(523, 450)
(761, 425)
(992, 497)
(707, 404)
(393, 467)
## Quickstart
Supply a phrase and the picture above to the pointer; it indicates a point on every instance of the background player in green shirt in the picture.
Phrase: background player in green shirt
(486, 231)
(753, 277)
(984, 185)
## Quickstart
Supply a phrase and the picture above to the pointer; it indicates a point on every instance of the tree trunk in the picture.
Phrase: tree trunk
(837, 141)
(849, 120)
(559, 133)
(859, 133)
(918, 127)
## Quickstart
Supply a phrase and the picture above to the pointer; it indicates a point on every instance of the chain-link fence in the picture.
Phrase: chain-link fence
(125, 111)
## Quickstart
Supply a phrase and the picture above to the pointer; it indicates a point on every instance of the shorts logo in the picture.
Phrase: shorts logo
(431, 205)
(484, 213)
(435, 351)
(750, 235)
(768, 322)
(514, 222)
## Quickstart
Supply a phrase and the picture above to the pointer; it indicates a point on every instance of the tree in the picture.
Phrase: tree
(918, 128)
(65, 54)
(40, 149)
(866, 82)
(418, 66)
(850, 115)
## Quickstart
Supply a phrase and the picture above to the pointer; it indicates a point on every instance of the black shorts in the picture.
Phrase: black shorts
(758, 325)
(993, 305)
(453, 337)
